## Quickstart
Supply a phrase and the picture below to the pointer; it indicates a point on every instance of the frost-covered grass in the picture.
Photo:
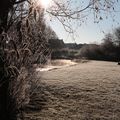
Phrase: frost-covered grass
(85, 91)
(55, 64)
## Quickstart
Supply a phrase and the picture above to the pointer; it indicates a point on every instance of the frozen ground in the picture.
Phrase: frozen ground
(55, 64)
(85, 91)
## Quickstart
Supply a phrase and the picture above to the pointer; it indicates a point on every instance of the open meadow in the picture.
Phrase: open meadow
(83, 91)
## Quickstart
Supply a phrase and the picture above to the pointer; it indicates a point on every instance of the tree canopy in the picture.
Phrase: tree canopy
(62, 10)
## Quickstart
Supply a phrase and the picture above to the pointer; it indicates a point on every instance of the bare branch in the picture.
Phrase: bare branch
(20, 1)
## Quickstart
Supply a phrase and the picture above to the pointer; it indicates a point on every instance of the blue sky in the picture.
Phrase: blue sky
(89, 31)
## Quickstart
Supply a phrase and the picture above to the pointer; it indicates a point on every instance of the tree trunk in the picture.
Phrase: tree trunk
(6, 101)
(5, 112)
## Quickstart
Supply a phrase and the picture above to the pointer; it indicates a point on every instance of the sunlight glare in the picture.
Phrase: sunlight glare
(45, 3)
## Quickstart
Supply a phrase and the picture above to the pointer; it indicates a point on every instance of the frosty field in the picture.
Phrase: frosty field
(84, 91)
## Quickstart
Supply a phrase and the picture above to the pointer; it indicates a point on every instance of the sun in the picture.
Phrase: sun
(45, 3)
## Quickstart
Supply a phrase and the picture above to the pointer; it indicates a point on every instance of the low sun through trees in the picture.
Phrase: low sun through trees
(24, 42)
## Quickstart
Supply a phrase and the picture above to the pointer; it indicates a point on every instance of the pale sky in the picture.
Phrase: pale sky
(89, 31)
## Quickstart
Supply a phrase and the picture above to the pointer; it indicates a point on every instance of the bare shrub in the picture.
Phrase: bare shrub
(21, 46)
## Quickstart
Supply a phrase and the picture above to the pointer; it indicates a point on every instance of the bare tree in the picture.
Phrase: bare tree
(117, 34)
(67, 12)
(18, 13)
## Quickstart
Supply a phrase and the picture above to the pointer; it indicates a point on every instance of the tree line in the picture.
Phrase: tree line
(108, 50)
